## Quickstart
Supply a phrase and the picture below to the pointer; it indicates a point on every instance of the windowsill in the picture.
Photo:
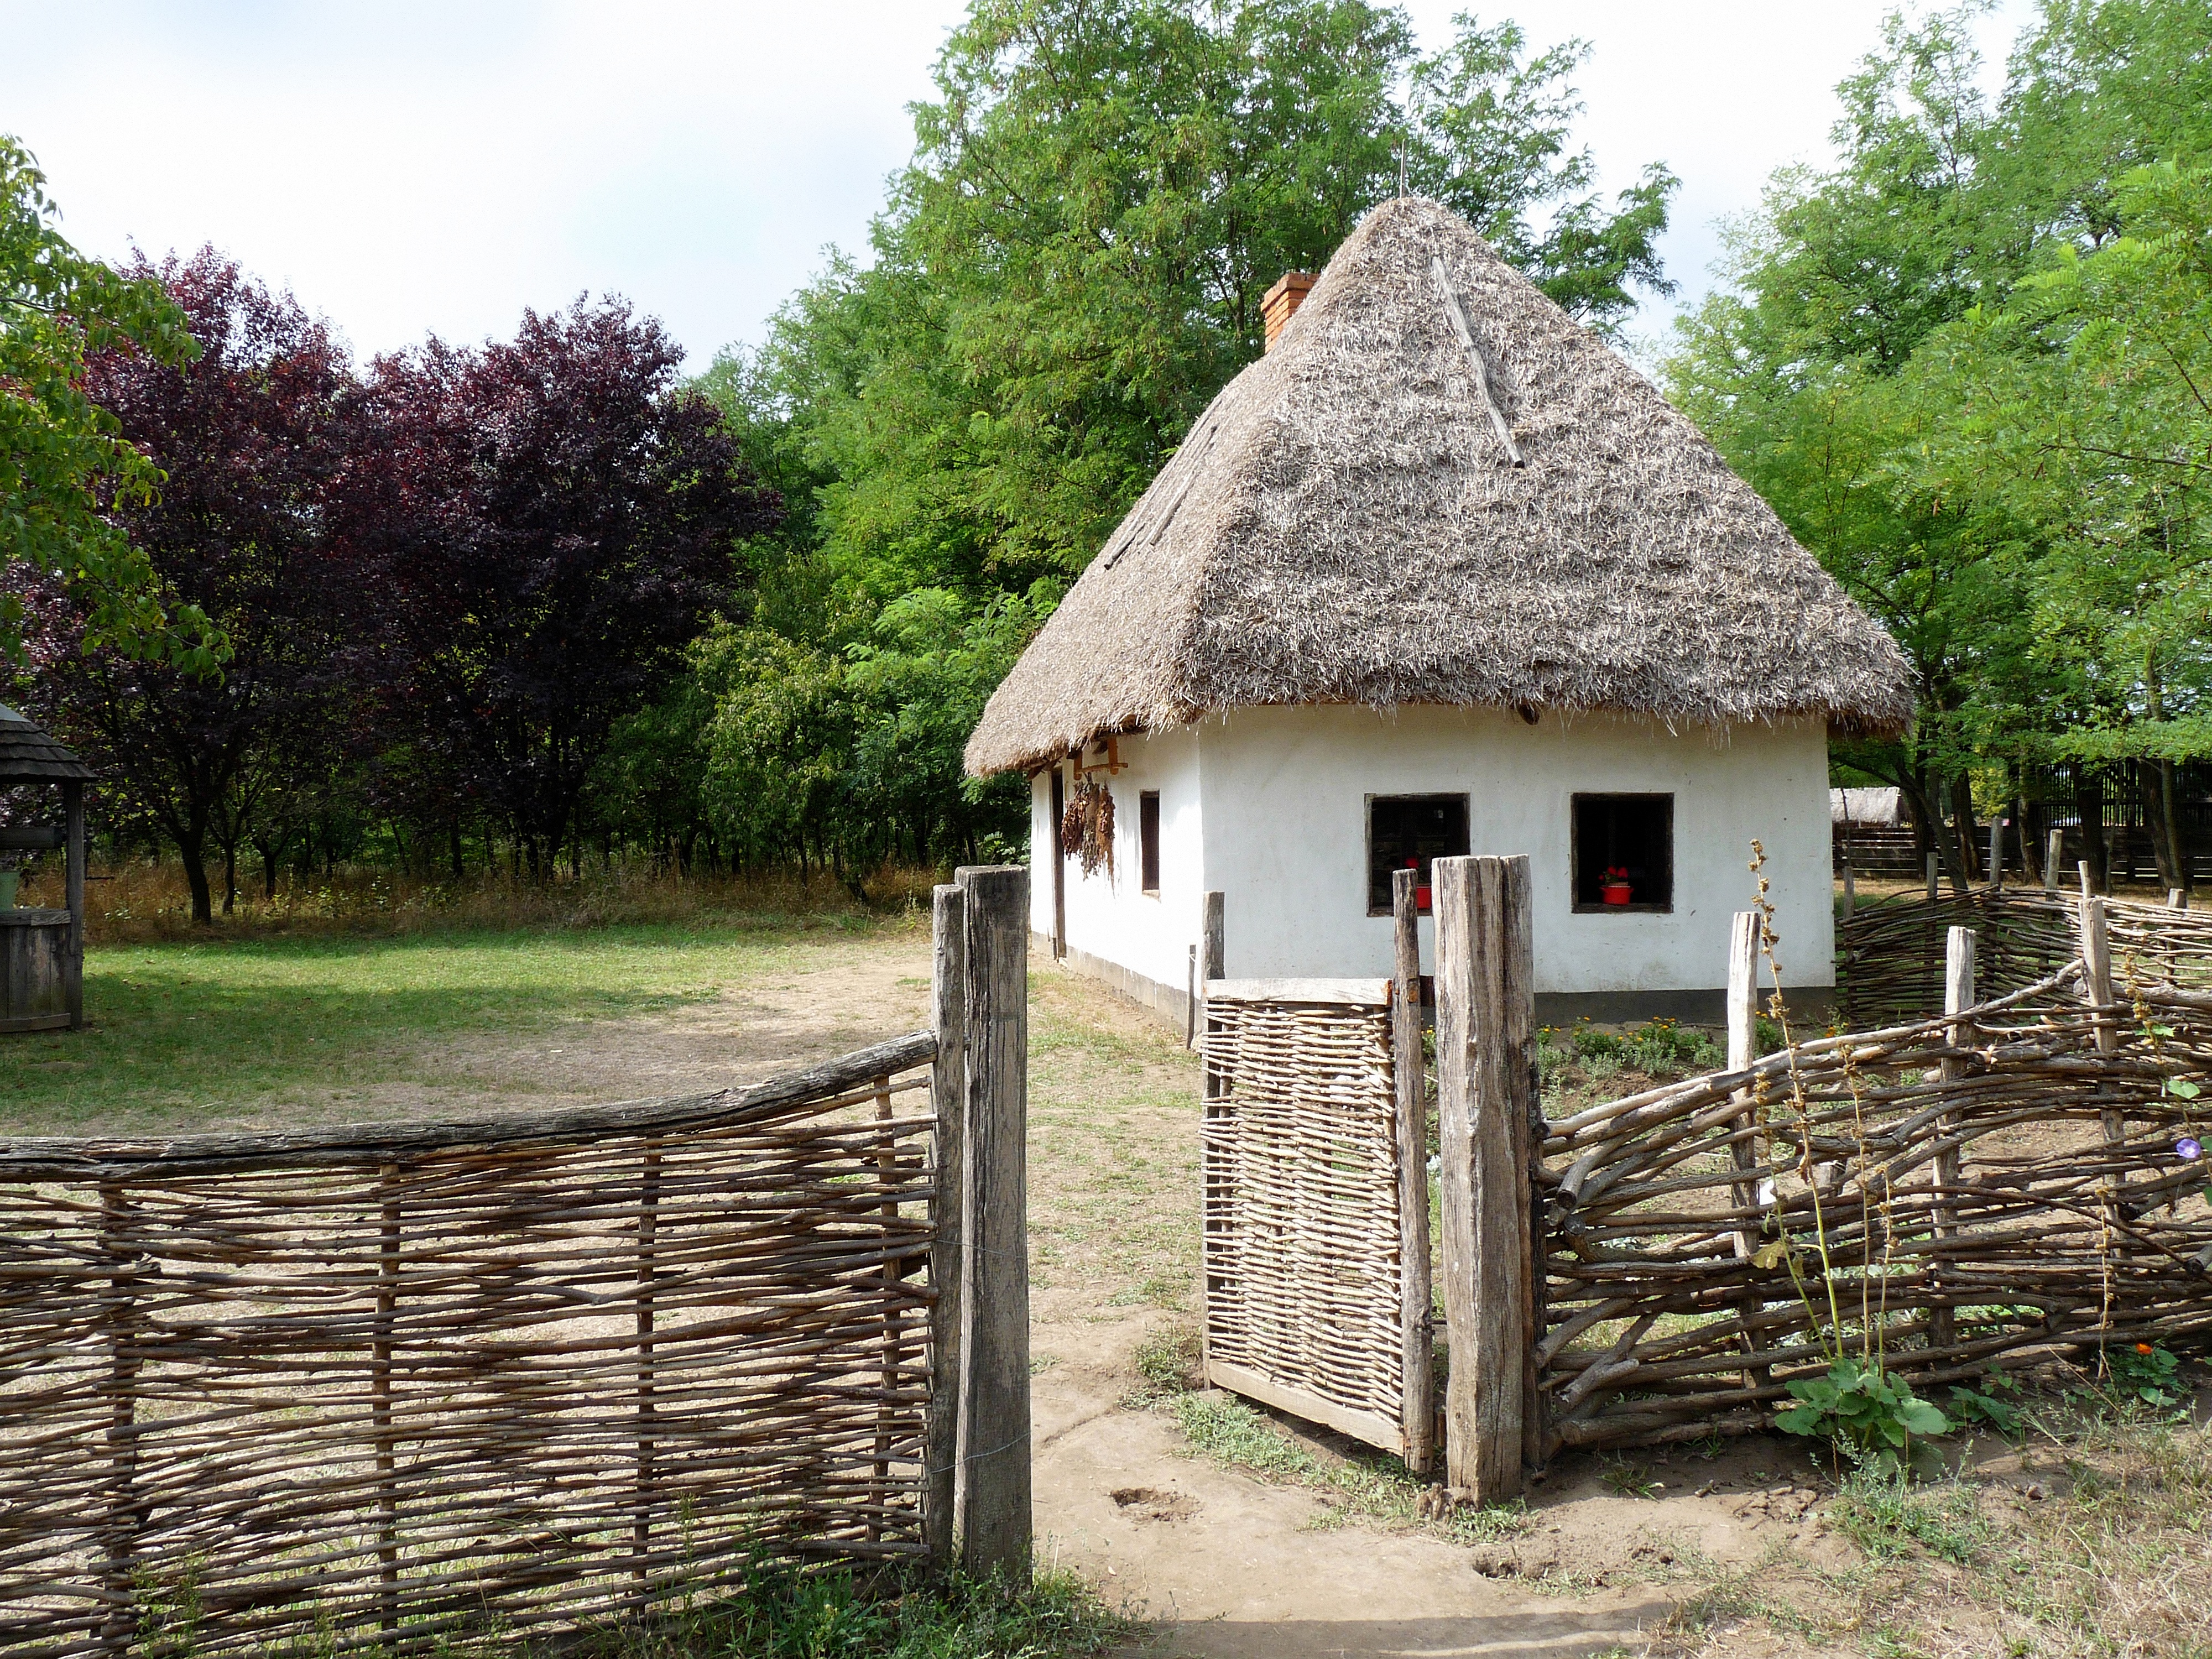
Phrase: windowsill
(1388, 915)
(1624, 909)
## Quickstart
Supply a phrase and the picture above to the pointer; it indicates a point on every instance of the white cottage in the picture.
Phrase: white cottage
(1439, 574)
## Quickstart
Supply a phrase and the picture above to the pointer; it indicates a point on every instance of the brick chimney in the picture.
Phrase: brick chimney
(1283, 301)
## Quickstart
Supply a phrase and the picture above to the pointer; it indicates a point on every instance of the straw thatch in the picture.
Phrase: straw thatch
(1347, 523)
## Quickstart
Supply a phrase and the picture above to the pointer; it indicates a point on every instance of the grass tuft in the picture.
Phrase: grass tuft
(839, 1613)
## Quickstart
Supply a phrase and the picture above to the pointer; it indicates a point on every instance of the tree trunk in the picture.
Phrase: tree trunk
(461, 872)
(2176, 862)
(271, 851)
(1963, 829)
(192, 851)
(2089, 810)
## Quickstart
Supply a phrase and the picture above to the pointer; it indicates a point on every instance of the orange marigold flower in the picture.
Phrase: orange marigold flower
(2143, 1347)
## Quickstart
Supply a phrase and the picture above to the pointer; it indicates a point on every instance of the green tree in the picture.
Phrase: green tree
(2077, 412)
(1830, 370)
(1072, 264)
(63, 459)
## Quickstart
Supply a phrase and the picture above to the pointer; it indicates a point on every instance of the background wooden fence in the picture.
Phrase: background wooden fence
(391, 1386)
(1890, 957)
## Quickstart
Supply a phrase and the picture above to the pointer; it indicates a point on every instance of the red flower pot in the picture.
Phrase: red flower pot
(1615, 892)
(1421, 900)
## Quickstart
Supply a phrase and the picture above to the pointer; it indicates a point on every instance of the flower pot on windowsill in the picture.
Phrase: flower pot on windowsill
(1616, 892)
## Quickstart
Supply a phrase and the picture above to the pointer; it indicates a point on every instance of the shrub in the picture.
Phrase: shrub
(1867, 1411)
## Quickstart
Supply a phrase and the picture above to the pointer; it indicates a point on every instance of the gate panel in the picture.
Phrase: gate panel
(1300, 1158)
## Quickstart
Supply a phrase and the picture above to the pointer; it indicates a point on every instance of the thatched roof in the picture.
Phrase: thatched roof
(27, 754)
(1346, 524)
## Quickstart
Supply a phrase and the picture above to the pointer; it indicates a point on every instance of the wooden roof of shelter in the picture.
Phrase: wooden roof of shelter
(1439, 488)
(27, 754)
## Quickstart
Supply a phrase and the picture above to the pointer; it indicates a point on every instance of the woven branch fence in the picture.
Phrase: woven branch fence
(401, 1386)
(1889, 957)
(1990, 1187)
(1299, 1161)
(1982, 1189)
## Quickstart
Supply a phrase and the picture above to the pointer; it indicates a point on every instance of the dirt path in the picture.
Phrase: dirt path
(1238, 1564)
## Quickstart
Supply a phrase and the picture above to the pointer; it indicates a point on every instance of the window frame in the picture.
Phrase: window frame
(1466, 800)
(1148, 842)
(1575, 851)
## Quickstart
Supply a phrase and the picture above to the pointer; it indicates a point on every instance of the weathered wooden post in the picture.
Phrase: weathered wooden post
(1742, 1051)
(1851, 891)
(1957, 998)
(2054, 853)
(1486, 1095)
(1997, 853)
(1935, 875)
(948, 1100)
(994, 1510)
(1058, 800)
(1214, 959)
(73, 889)
(1411, 1076)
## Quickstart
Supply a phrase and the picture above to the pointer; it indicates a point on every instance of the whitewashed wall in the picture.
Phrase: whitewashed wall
(1284, 791)
(1111, 917)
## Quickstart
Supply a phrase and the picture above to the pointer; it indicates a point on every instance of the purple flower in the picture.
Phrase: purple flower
(2189, 1149)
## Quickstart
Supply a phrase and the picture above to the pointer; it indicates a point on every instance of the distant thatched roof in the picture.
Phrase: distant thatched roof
(27, 754)
(1345, 524)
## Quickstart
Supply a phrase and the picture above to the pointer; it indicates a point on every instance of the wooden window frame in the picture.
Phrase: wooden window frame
(1575, 851)
(1148, 842)
(1465, 799)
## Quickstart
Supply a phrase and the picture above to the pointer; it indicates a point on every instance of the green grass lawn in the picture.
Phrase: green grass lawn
(183, 1033)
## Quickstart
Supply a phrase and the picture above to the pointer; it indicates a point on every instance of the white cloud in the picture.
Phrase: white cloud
(409, 167)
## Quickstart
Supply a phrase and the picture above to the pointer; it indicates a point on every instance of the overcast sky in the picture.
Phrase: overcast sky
(409, 167)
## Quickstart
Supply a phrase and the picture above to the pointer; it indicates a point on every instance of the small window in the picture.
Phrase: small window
(1148, 839)
(1624, 852)
(1410, 832)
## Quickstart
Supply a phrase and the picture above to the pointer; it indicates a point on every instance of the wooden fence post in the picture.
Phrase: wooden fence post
(1485, 1084)
(1190, 994)
(1934, 876)
(73, 896)
(1411, 1076)
(942, 1491)
(1997, 853)
(1742, 1049)
(1957, 997)
(994, 1417)
(1851, 891)
(2054, 853)
(1213, 958)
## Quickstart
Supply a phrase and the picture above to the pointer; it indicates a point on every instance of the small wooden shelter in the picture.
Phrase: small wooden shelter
(42, 951)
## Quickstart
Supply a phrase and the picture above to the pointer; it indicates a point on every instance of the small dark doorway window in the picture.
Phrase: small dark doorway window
(1148, 839)
(1410, 832)
(1624, 842)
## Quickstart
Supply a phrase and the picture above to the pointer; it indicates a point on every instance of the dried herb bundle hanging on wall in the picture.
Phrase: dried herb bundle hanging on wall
(1086, 828)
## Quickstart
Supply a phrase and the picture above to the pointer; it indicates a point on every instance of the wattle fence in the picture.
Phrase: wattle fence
(2003, 1178)
(404, 1385)
(1889, 957)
